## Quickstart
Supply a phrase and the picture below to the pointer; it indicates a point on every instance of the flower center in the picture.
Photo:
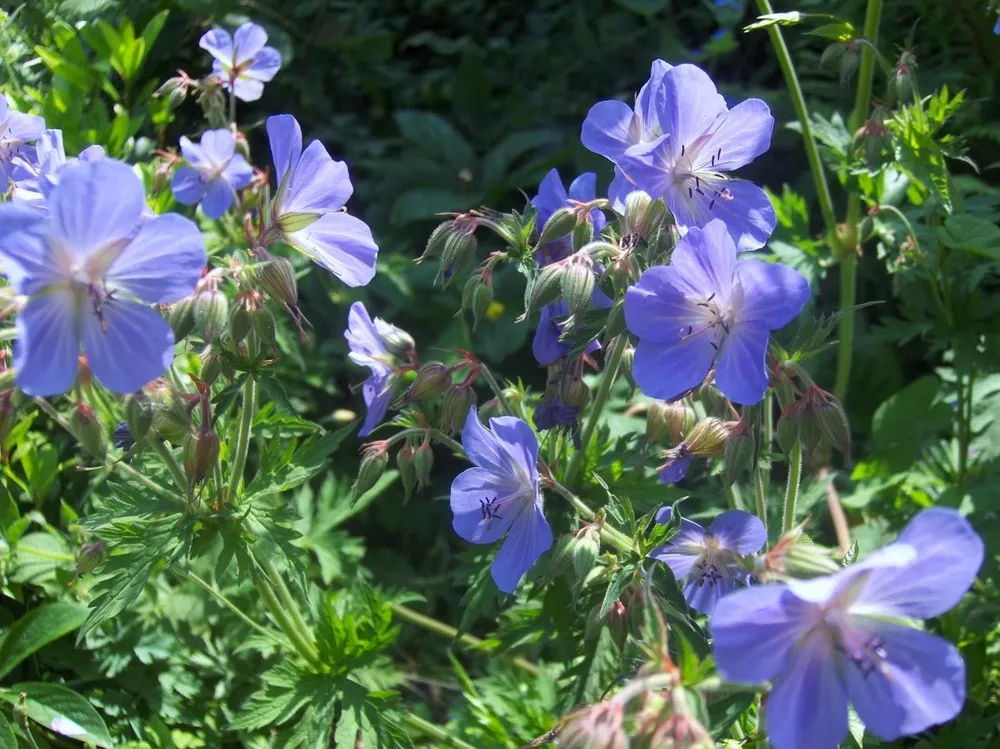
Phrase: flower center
(715, 313)
(863, 649)
(696, 177)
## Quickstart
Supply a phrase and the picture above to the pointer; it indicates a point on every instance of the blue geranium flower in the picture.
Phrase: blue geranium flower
(35, 178)
(242, 62)
(214, 174)
(501, 496)
(708, 563)
(17, 130)
(312, 190)
(845, 639)
(679, 143)
(707, 309)
(90, 267)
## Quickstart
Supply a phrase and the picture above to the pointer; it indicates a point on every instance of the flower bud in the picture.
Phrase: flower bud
(624, 270)
(433, 379)
(560, 223)
(88, 557)
(239, 324)
(628, 357)
(211, 365)
(618, 623)
(740, 449)
(575, 392)
(669, 421)
(596, 727)
(138, 415)
(276, 277)
(407, 472)
(708, 438)
(375, 457)
(459, 250)
(834, 426)
(423, 463)
(849, 61)
(809, 430)
(583, 232)
(263, 326)
(586, 547)
(171, 418)
(180, 315)
(211, 314)
(435, 243)
(903, 76)
(788, 431)
(173, 91)
(643, 217)
(201, 451)
(577, 284)
(455, 407)
(544, 288)
(795, 555)
(89, 431)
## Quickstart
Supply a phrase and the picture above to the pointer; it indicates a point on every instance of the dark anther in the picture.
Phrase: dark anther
(712, 204)
(698, 190)
(487, 506)
(682, 150)
(697, 182)
(690, 193)
(718, 154)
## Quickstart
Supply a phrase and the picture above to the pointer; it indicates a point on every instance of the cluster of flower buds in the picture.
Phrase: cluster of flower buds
(477, 294)
(455, 243)
(175, 90)
(415, 464)
(816, 417)
(848, 53)
(669, 423)
(575, 221)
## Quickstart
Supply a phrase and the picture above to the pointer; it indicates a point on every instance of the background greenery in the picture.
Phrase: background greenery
(445, 105)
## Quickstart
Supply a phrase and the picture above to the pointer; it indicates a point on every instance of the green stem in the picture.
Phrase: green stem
(802, 112)
(497, 390)
(266, 581)
(767, 441)
(614, 537)
(165, 453)
(466, 640)
(792, 490)
(243, 437)
(219, 596)
(735, 497)
(849, 259)
(965, 427)
(160, 491)
(600, 400)
(760, 495)
(434, 731)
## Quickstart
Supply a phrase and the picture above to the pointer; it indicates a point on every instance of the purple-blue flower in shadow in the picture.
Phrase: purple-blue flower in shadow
(367, 340)
(709, 564)
(680, 143)
(90, 267)
(312, 190)
(35, 178)
(844, 638)
(214, 172)
(17, 130)
(242, 61)
(707, 308)
(501, 496)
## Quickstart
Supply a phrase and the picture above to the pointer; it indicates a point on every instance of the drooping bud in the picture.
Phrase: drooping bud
(628, 357)
(624, 270)
(407, 472)
(201, 447)
(788, 430)
(849, 61)
(873, 138)
(618, 623)
(578, 284)
(173, 91)
(276, 276)
(211, 314)
(263, 325)
(795, 555)
(180, 315)
(545, 287)
(433, 379)
(903, 76)
(643, 217)
(669, 421)
(477, 296)
(458, 251)
(88, 557)
(89, 431)
(374, 459)
(455, 407)
(586, 547)
(239, 323)
(211, 365)
(575, 392)
(435, 243)
(138, 415)
(681, 731)
(739, 453)
(833, 424)
(423, 463)
(560, 223)
(583, 232)
(809, 431)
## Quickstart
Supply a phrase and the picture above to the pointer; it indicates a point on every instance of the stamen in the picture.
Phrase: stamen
(690, 193)
(713, 159)
(697, 182)
(712, 204)
(682, 149)
(718, 155)
(698, 190)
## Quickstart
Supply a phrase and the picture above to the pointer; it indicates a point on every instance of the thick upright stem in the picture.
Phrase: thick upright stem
(792, 490)
(802, 112)
(612, 363)
(849, 260)
(466, 640)
(243, 437)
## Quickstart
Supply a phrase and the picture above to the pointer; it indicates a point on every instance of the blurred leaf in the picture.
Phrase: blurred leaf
(902, 423)
(7, 738)
(434, 135)
(60, 710)
(36, 629)
(426, 202)
(966, 232)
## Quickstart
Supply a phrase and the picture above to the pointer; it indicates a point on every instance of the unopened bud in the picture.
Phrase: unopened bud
(544, 288)
(459, 250)
(407, 472)
(618, 623)
(788, 431)
(173, 91)
(809, 430)
(560, 223)
(435, 243)
(211, 365)
(578, 284)
(171, 419)
(832, 54)
(276, 277)
(583, 232)
(902, 77)
(201, 451)
(643, 217)
(669, 421)
(433, 379)
(373, 462)
(423, 463)
(796, 555)
(866, 228)
(138, 415)
(89, 431)
(239, 324)
(849, 61)
(180, 315)
(624, 270)
(89, 556)
(211, 314)
(708, 438)
(263, 326)
(739, 454)
(586, 547)
(628, 357)
(834, 426)
(455, 407)
(575, 392)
